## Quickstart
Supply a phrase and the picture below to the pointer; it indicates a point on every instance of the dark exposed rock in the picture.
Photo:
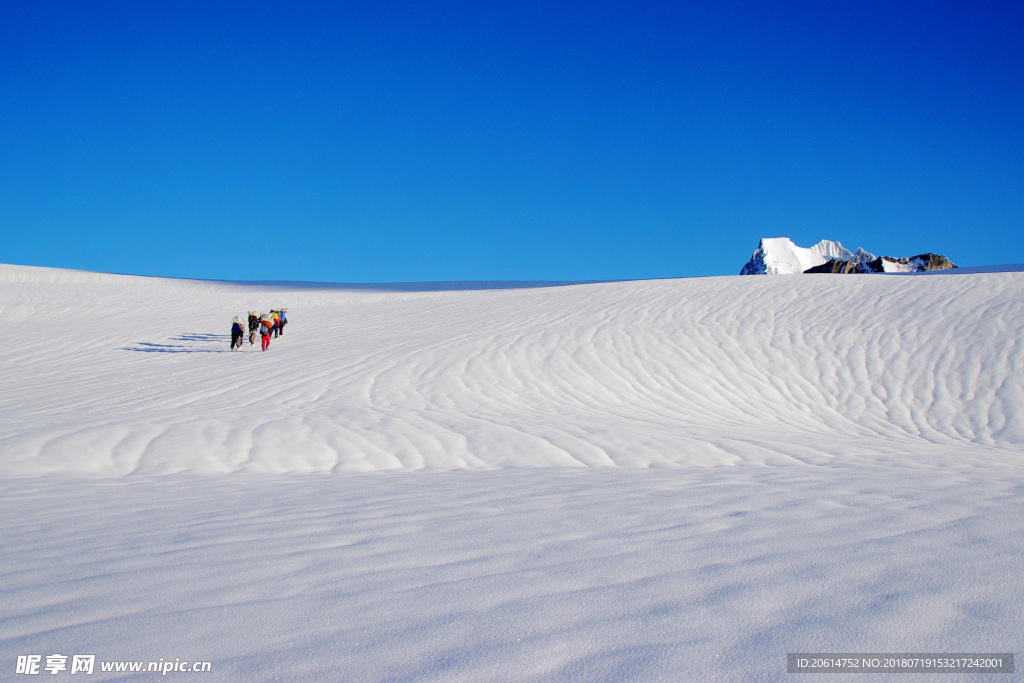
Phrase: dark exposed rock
(838, 266)
(887, 264)
(914, 264)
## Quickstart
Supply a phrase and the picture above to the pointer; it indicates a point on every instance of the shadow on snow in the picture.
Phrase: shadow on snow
(188, 343)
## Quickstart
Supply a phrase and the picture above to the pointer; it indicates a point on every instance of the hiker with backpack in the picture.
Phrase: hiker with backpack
(254, 324)
(237, 332)
(283, 321)
(266, 325)
(276, 317)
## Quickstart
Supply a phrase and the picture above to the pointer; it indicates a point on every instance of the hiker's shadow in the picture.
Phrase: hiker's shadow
(190, 342)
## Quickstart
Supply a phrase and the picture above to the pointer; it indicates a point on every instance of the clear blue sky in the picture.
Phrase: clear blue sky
(407, 141)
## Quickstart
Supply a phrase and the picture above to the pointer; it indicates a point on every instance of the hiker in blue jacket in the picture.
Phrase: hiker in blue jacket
(237, 332)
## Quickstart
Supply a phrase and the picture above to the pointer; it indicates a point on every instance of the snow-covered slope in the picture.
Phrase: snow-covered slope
(115, 375)
(661, 480)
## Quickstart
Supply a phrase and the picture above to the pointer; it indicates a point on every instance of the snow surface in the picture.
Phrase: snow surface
(655, 480)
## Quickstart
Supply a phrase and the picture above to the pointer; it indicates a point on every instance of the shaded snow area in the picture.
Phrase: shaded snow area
(659, 480)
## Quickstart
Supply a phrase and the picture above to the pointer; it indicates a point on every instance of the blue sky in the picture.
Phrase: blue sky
(391, 141)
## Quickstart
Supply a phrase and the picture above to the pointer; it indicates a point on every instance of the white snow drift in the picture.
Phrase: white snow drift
(118, 375)
(676, 479)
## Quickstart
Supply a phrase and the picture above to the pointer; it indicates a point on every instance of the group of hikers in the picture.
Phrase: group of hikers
(266, 324)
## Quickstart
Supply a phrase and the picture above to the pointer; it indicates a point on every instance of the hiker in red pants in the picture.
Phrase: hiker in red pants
(265, 326)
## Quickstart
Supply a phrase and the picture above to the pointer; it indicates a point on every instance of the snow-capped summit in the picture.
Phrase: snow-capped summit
(779, 256)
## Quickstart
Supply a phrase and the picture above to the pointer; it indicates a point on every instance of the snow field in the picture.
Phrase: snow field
(662, 480)
(114, 375)
(536, 574)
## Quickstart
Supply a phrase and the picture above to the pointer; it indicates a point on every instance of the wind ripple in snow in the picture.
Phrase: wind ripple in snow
(708, 371)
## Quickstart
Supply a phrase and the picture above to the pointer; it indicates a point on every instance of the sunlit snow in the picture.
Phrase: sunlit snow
(654, 480)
